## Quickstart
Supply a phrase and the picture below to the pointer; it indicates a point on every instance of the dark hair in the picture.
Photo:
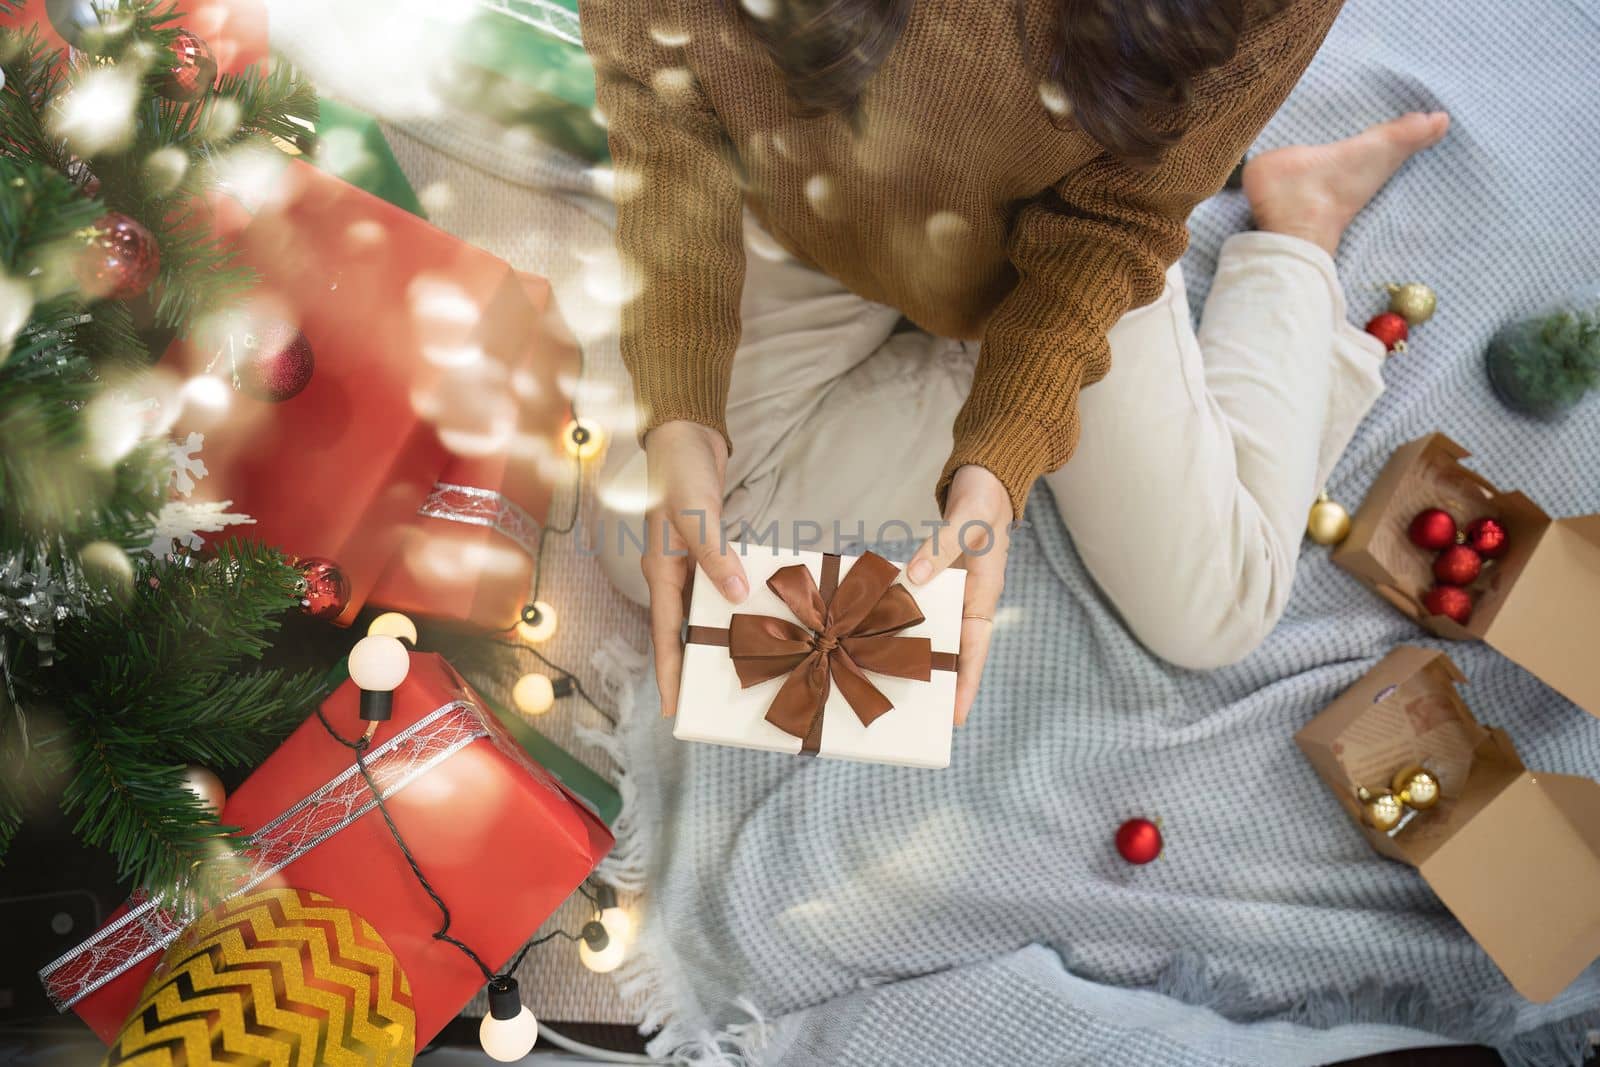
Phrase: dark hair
(1125, 67)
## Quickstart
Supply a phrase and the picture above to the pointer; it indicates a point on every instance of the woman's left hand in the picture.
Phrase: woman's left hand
(977, 534)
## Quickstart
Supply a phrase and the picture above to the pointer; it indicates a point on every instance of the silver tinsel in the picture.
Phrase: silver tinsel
(37, 595)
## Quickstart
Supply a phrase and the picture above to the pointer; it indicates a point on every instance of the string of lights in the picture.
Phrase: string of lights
(378, 665)
(510, 1030)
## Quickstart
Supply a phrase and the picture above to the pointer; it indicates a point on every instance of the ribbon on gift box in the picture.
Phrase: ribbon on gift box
(847, 628)
(473, 506)
(148, 928)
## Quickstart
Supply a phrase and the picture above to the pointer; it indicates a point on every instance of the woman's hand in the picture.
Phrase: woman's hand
(978, 516)
(688, 463)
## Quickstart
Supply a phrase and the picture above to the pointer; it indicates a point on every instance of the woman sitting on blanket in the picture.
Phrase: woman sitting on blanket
(962, 213)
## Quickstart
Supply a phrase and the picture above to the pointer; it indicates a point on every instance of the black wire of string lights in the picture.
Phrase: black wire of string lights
(504, 1000)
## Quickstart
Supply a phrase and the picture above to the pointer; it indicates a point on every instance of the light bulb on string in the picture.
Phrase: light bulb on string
(394, 624)
(583, 439)
(618, 923)
(533, 694)
(598, 950)
(538, 623)
(509, 1031)
(378, 664)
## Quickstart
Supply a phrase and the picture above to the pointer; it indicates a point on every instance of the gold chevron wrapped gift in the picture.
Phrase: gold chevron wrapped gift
(278, 977)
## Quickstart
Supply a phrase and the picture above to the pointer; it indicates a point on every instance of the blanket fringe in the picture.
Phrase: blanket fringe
(619, 667)
(1563, 1043)
(648, 977)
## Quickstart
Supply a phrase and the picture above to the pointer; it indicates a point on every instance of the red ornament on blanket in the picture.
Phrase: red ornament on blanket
(1139, 841)
(1458, 565)
(1392, 329)
(1433, 529)
(1449, 601)
(1487, 537)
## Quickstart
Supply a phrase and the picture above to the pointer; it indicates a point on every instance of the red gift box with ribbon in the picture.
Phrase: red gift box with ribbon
(468, 556)
(398, 316)
(499, 839)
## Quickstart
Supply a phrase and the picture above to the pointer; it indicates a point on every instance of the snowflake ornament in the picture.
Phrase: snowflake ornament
(181, 522)
(184, 466)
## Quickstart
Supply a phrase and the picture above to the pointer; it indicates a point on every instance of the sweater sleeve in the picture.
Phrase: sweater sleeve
(1098, 245)
(679, 217)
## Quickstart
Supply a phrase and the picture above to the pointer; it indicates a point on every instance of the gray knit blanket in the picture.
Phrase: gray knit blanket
(816, 912)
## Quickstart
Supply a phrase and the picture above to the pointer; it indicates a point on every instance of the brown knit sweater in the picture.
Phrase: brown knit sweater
(954, 198)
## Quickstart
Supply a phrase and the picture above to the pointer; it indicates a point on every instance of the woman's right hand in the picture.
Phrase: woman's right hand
(688, 463)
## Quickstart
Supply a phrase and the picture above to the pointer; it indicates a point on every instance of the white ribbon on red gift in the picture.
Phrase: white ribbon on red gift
(482, 507)
(148, 928)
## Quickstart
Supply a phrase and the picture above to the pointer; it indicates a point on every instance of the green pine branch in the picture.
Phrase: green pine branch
(153, 670)
(33, 77)
(159, 680)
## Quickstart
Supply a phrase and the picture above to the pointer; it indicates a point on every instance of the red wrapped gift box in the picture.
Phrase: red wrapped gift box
(468, 557)
(396, 312)
(500, 840)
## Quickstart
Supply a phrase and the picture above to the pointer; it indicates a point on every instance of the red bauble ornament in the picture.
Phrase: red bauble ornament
(192, 72)
(1391, 329)
(1458, 565)
(1433, 529)
(121, 261)
(272, 362)
(1487, 537)
(1139, 841)
(325, 590)
(1450, 601)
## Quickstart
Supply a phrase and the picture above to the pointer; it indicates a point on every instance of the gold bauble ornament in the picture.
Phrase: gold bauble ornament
(1382, 811)
(205, 785)
(1328, 523)
(1416, 788)
(1413, 302)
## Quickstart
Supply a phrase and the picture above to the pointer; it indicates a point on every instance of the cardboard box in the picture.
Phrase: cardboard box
(396, 312)
(499, 837)
(1513, 853)
(1539, 605)
(719, 705)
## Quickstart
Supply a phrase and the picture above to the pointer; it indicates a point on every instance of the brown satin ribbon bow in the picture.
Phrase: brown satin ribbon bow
(847, 628)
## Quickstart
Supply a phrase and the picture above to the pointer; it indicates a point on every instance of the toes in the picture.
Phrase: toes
(1414, 131)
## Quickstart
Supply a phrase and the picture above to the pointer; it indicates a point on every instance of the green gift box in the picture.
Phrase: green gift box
(350, 145)
(532, 71)
(579, 778)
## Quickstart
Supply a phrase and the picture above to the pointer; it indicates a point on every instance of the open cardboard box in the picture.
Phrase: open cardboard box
(1538, 605)
(1513, 853)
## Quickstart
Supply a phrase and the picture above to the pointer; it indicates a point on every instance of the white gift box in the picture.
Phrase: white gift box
(714, 707)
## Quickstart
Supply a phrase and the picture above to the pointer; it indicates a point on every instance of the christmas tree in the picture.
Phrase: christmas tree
(125, 650)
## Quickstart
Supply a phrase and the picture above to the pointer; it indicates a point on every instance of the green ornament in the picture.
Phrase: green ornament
(1545, 365)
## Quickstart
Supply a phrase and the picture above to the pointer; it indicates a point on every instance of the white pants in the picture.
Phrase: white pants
(1200, 454)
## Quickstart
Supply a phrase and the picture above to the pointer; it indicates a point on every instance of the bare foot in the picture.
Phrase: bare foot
(1315, 191)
